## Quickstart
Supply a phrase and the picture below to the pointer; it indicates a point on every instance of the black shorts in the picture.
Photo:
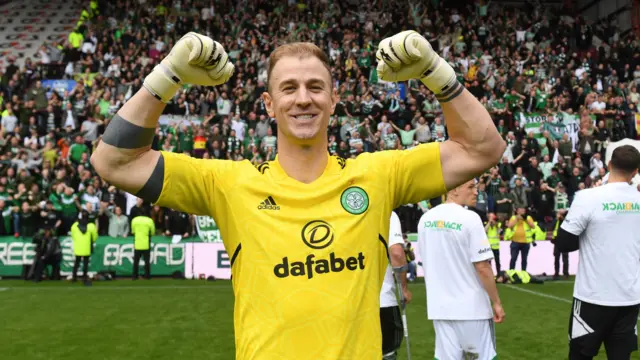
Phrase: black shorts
(592, 325)
(392, 332)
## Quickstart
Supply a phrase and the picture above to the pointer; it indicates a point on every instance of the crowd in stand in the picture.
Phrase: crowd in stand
(515, 61)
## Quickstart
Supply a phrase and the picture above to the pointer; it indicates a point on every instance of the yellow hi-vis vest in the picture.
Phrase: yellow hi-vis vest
(76, 39)
(508, 234)
(493, 234)
(524, 276)
(94, 7)
(555, 229)
(539, 234)
(82, 242)
(527, 229)
(142, 227)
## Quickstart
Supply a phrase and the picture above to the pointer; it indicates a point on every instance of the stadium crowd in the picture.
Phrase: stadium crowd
(518, 63)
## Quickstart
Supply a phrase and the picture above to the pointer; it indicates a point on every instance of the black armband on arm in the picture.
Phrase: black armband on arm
(566, 241)
(450, 92)
(124, 134)
(153, 188)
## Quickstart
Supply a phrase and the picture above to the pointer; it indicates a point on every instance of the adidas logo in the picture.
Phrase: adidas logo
(268, 204)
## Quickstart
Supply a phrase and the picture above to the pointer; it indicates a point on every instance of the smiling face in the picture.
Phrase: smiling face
(301, 98)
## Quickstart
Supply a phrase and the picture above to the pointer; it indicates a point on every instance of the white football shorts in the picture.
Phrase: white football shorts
(465, 339)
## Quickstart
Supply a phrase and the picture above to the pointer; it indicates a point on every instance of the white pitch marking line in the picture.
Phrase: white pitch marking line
(544, 295)
(540, 294)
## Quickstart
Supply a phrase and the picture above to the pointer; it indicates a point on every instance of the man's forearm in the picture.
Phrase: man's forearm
(488, 283)
(143, 109)
(398, 260)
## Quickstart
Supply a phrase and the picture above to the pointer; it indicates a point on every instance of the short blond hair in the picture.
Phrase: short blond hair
(301, 50)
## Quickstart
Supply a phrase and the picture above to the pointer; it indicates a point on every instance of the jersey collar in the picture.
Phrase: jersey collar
(619, 184)
(333, 167)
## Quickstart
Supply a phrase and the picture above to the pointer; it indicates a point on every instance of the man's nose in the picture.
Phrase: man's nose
(302, 97)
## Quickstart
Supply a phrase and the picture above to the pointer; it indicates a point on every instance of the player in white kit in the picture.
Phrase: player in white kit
(603, 223)
(390, 316)
(456, 257)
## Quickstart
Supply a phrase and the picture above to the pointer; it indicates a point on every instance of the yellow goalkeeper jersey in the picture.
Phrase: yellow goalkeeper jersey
(307, 260)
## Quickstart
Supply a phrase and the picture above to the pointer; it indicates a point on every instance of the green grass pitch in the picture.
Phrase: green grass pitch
(190, 319)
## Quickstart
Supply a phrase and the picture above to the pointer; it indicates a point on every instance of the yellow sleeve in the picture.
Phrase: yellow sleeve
(189, 183)
(414, 175)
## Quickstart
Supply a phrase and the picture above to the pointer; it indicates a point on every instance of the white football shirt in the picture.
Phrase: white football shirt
(607, 220)
(388, 292)
(450, 240)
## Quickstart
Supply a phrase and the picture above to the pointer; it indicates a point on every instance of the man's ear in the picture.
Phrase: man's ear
(335, 98)
(268, 104)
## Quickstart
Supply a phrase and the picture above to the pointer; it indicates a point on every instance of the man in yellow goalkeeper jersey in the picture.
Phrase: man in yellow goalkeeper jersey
(306, 232)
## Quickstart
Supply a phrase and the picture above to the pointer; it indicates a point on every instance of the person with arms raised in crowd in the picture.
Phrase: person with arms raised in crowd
(336, 251)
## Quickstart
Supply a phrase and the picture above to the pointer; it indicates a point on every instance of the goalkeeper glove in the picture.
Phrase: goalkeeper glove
(195, 59)
(408, 55)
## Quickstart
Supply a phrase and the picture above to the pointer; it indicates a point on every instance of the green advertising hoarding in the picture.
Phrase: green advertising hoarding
(109, 254)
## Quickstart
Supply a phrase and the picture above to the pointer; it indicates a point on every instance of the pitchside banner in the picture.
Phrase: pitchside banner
(205, 259)
(109, 254)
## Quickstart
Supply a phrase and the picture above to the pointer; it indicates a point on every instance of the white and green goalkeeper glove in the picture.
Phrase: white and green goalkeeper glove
(408, 55)
(195, 59)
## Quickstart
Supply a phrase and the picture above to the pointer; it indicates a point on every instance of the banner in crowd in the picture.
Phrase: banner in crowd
(207, 259)
(170, 120)
(58, 85)
(556, 124)
(109, 254)
(638, 125)
(208, 231)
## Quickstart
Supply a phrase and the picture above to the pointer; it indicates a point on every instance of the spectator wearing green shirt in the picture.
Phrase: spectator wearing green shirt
(545, 166)
(406, 135)
(561, 198)
(269, 142)
(251, 139)
(69, 205)
(391, 140)
(437, 128)
(77, 149)
(185, 138)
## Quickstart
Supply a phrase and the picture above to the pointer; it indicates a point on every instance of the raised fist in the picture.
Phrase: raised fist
(406, 55)
(195, 59)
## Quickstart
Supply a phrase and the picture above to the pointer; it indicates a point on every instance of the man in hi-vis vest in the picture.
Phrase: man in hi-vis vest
(493, 228)
(142, 228)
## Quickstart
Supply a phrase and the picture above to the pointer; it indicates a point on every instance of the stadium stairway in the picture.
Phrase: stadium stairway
(26, 24)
